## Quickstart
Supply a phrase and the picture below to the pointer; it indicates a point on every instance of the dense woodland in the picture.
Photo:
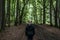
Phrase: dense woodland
(15, 12)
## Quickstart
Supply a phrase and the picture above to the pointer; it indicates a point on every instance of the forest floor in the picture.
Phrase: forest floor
(43, 32)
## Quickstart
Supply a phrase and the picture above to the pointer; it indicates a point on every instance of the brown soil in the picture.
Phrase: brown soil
(43, 32)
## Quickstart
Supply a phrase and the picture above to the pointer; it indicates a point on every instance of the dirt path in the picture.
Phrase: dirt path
(48, 33)
(43, 32)
(34, 38)
(12, 33)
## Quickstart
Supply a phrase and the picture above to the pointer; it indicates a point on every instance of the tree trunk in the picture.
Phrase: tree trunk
(16, 20)
(59, 13)
(59, 22)
(0, 13)
(19, 10)
(51, 12)
(8, 12)
(44, 15)
(56, 14)
(3, 15)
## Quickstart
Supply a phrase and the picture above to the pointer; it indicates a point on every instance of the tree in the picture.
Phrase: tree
(44, 15)
(51, 12)
(0, 13)
(8, 12)
(3, 14)
(56, 13)
(17, 11)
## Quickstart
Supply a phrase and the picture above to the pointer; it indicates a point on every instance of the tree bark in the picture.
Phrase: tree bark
(0, 13)
(59, 13)
(56, 14)
(16, 20)
(8, 12)
(51, 12)
(44, 15)
(3, 15)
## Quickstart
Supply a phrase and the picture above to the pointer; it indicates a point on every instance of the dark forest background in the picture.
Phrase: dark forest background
(16, 12)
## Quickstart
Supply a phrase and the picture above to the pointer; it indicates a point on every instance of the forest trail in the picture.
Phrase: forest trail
(43, 32)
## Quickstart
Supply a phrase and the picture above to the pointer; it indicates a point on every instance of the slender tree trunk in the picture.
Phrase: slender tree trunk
(0, 13)
(59, 22)
(44, 15)
(16, 20)
(59, 12)
(8, 12)
(19, 14)
(56, 14)
(19, 7)
(13, 11)
(3, 15)
(51, 12)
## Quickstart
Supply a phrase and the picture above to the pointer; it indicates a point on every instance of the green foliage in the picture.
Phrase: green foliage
(32, 11)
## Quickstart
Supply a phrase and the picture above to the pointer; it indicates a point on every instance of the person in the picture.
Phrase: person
(30, 31)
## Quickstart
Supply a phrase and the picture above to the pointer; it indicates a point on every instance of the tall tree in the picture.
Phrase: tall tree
(51, 12)
(59, 12)
(17, 12)
(0, 13)
(56, 13)
(44, 15)
(59, 22)
(8, 12)
(3, 14)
